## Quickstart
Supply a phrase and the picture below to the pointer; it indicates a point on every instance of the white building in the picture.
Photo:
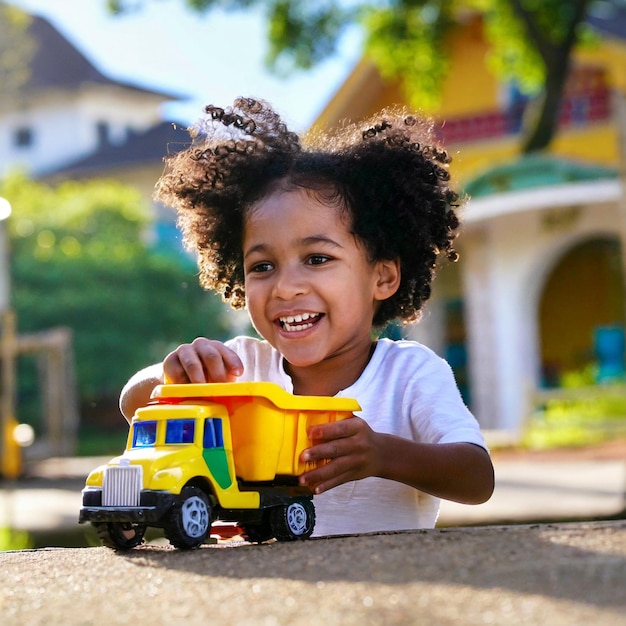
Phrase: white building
(72, 121)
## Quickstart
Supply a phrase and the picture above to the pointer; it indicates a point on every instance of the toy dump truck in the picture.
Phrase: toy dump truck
(198, 453)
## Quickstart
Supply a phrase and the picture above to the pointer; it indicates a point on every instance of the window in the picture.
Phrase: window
(579, 110)
(213, 436)
(180, 431)
(144, 434)
(23, 137)
(103, 131)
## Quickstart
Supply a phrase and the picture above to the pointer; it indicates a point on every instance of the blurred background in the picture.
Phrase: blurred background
(528, 97)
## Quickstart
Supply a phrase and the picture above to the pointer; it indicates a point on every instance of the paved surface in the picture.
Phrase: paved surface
(535, 489)
(562, 575)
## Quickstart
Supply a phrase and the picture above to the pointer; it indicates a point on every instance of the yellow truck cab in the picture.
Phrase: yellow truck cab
(199, 453)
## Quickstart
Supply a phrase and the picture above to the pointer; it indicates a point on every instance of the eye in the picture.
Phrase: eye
(259, 268)
(318, 259)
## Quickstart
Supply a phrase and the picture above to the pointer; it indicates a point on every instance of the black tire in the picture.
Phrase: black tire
(293, 521)
(120, 535)
(188, 523)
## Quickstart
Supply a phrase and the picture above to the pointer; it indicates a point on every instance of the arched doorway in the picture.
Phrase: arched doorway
(584, 292)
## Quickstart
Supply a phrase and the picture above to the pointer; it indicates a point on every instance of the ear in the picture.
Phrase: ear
(387, 275)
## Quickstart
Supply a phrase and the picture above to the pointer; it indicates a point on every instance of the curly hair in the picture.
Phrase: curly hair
(387, 173)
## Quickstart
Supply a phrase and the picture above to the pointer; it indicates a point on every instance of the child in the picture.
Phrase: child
(322, 244)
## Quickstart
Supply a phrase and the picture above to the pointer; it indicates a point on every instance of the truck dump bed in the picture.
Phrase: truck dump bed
(268, 425)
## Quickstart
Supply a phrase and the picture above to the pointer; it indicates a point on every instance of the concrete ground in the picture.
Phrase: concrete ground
(562, 575)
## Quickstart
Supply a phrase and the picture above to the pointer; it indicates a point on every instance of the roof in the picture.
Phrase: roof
(148, 147)
(533, 171)
(536, 182)
(59, 64)
(608, 18)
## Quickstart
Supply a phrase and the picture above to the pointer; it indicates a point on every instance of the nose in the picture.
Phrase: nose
(289, 283)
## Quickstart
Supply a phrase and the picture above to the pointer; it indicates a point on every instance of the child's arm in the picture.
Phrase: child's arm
(462, 472)
(203, 360)
(136, 392)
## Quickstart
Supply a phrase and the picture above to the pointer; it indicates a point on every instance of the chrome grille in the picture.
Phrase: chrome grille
(121, 486)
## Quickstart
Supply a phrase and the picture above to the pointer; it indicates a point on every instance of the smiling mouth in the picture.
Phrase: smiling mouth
(295, 323)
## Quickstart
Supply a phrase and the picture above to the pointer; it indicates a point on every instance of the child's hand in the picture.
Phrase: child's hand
(352, 448)
(462, 472)
(202, 361)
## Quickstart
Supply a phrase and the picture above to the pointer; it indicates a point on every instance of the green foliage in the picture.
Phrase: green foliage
(526, 36)
(512, 53)
(593, 415)
(89, 213)
(16, 51)
(407, 42)
(302, 34)
(581, 378)
(94, 441)
(14, 539)
(78, 260)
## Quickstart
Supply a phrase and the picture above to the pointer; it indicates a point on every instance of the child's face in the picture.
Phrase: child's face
(311, 291)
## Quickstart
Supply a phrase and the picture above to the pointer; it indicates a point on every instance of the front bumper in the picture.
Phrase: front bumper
(152, 507)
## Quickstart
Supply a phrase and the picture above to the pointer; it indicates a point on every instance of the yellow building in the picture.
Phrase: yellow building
(539, 291)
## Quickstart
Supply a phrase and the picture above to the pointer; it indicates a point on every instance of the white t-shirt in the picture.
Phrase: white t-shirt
(405, 390)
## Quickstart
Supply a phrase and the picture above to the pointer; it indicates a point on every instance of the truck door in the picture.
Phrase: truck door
(214, 453)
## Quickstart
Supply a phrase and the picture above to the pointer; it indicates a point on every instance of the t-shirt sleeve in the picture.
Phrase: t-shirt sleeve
(438, 412)
(261, 363)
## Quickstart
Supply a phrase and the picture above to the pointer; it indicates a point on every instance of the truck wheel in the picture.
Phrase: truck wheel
(292, 521)
(188, 522)
(120, 535)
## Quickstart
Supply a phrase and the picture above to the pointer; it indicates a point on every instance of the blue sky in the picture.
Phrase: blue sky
(167, 46)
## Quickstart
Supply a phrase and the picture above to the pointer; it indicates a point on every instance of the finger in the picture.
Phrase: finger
(334, 430)
(328, 476)
(323, 451)
(183, 365)
(233, 364)
(220, 363)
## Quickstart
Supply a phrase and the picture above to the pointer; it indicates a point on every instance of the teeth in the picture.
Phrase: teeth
(293, 323)
(290, 319)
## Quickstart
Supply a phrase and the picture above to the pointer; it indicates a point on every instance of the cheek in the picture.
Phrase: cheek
(254, 299)
(254, 313)
(250, 299)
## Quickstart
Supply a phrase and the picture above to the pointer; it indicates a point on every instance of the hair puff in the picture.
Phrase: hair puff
(389, 174)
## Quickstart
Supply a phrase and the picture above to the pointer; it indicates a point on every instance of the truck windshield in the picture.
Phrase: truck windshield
(180, 431)
(144, 434)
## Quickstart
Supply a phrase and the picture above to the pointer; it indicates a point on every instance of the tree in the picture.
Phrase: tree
(531, 42)
(78, 260)
(549, 29)
(17, 49)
